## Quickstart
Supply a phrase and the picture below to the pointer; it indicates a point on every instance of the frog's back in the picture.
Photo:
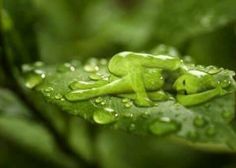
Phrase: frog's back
(118, 65)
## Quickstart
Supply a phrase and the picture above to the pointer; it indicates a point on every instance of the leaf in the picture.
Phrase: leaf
(33, 137)
(147, 151)
(206, 125)
(7, 99)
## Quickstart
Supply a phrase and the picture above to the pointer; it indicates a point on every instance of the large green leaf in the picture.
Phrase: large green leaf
(33, 137)
(207, 125)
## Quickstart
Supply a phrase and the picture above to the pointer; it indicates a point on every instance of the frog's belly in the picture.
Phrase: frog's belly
(153, 79)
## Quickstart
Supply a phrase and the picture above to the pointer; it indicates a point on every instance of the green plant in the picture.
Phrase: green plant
(52, 45)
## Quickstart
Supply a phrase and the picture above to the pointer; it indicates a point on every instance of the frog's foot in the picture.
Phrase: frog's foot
(197, 98)
(158, 95)
(87, 84)
(143, 102)
(78, 95)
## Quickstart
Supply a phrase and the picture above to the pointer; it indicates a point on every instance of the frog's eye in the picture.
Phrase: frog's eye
(184, 82)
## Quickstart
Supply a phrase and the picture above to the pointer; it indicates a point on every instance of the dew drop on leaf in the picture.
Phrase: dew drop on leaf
(199, 121)
(105, 116)
(58, 96)
(103, 103)
(48, 94)
(125, 100)
(34, 78)
(27, 68)
(66, 67)
(91, 68)
(39, 64)
(132, 127)
(163, 126)
(227, 115)
(210, 131)
(48, 89)
(193, 135)
(225, 83)
(146, 114)
(128, 104)
(103, 61)
(131, 115)
(98, 100)
(206, 20)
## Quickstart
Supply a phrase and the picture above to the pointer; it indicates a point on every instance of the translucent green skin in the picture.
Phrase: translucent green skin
(142, 74)
(195, 87)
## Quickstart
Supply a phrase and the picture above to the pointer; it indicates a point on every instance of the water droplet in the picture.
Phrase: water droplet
(132, 127)
(91, 68)
(145, 114)
(192, 135)
(66, 67)
(103, 103)
(48, 89)
(199, 121)
(34, 78)
(105, 116)
(128, 104)
(58, 96)
(48, 94)
(103, 61)
(39, 64)
(40, 72)
(210, 131)
(206, 20)
(98, 100)
(125, 100)
(225, 83)
(95, 76)
(156, 104)
(227, 115)
(163, 126)
(131, 115)
(27, 68)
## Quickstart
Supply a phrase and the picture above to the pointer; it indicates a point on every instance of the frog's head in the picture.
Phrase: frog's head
(193, 82)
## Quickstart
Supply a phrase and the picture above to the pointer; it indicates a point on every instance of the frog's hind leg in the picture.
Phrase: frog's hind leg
(137, 83)
(198, 98)
(87, 84)
(114, 87)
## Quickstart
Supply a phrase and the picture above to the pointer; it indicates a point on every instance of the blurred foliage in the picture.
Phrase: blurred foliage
(61, 30)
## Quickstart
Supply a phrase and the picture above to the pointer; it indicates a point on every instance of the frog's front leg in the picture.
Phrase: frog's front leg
(153, 95)
(135, 73)
(198, 98)
(87, 84)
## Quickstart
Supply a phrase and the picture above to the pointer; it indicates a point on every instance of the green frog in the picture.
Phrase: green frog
(140, 76)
